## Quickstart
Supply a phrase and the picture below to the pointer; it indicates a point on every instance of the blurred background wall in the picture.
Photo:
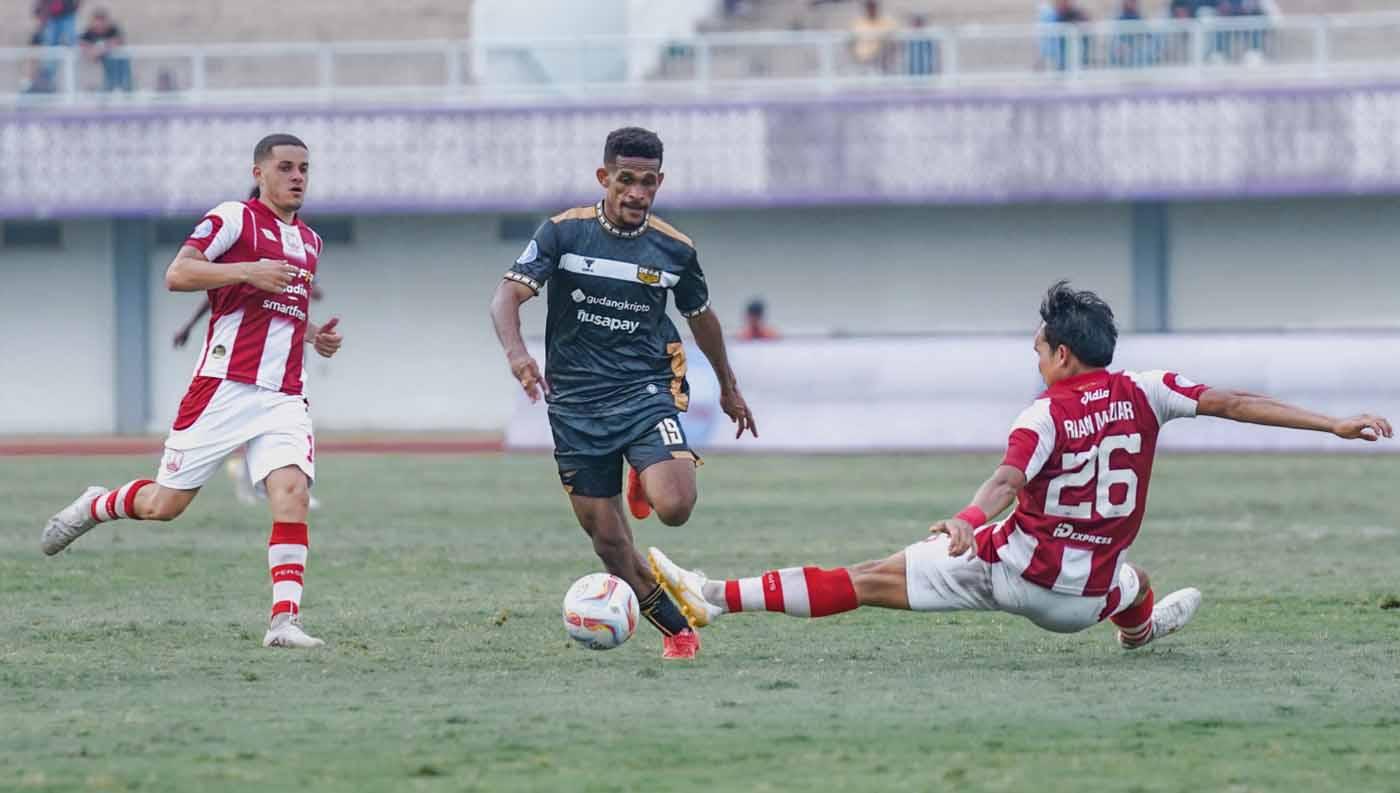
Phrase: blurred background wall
(1232, 169)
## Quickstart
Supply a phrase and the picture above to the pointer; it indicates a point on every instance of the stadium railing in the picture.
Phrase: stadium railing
(718, 65)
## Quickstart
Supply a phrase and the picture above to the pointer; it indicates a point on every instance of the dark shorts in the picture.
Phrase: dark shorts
(590, 451)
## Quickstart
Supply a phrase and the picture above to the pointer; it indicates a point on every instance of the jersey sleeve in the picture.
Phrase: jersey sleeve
(692, 293)
(536, 263)
(218, 231)
(1170, 395)
(1032, 439)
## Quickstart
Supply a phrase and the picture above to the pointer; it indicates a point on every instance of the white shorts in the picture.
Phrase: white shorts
(939, 582)
(274, 427)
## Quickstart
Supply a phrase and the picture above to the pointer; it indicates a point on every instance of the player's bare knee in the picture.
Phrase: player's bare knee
(675, 512)
(290, 491)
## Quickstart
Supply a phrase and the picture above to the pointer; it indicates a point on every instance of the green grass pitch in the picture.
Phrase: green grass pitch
(132, 662)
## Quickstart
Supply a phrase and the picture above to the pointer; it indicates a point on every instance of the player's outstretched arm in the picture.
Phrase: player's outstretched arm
(992, 498)
(505, 316)
(1256, 409)
(709, 337)
(190, 271)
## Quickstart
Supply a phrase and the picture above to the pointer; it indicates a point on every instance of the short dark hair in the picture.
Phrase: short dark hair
(265, 146)
(632, 142)
(1081, 321)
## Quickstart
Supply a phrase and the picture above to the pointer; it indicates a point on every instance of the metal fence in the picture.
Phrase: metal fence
(731, 65)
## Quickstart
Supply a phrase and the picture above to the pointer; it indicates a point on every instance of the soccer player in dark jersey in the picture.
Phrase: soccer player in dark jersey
(615, 365)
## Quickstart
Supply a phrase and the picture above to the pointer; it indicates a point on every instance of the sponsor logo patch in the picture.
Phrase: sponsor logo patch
(611, 323)
(531, 253)
(580, 296)
(1094, 396)
(648, 276)
(1065, 531)
(173, 460)
(204, 229)
(268, 233)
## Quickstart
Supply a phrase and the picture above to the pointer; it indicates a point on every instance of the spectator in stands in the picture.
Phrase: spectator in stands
(755, 329)
(102, 42)
(738, 8)
(1176, 46)
(1134, 47)
(1065, 12)
(37, 77)
(1260, 40)
(58, 22)
(870, 45)
(920, 51)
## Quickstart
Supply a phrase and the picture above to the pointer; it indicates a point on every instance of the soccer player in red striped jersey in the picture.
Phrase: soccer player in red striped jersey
(257, 260)
(1077, 466)
(240, 476)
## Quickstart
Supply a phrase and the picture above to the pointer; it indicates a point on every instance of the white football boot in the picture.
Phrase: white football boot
(686, 587)
(71, 522)
(285, 631)
(1170, 615)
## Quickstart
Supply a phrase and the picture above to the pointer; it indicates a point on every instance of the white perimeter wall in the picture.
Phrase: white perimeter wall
(56, 346)
(1288, 264)
(420, 353)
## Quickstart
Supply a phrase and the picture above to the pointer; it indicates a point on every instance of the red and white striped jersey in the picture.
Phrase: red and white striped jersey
(254, 336)
(1086, 447)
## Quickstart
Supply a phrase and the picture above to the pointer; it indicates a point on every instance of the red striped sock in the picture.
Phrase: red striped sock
(119, 503)
(286, 557)
(1135, 622)
(797, 591)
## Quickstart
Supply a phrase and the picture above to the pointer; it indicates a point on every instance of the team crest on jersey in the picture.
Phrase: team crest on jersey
(648, 276)
(204, 229)
(173, 460)
(531, 253)
(219, 351)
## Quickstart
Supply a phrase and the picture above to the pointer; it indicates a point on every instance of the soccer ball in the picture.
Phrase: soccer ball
(600, 611)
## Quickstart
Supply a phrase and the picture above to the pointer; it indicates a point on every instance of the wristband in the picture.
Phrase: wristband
(974, 515)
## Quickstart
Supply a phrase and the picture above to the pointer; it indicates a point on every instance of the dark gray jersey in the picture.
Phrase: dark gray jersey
(609, 346)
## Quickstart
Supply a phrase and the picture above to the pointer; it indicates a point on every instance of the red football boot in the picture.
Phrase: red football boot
(637, 497)
(683, 645)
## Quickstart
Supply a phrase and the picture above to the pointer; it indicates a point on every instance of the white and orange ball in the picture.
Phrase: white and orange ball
(600, 611)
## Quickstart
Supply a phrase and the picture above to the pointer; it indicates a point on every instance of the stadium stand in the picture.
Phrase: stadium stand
(176, 22)
(837, 14)
(162, 22)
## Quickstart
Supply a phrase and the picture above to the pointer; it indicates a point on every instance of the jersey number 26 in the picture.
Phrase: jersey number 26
(1083, 467)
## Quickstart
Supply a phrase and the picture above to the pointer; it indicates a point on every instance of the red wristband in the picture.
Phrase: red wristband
(974, 515)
